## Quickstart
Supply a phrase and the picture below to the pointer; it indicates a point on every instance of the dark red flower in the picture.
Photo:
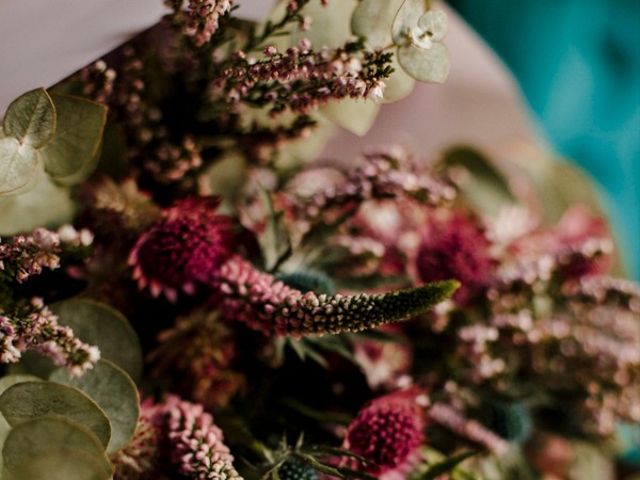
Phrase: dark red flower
(387, 432)
(456, 248)
(185, 248)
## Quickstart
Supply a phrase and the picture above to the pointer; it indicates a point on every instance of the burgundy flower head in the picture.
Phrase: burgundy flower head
(387, 432)
(456, 248)
(185, 248)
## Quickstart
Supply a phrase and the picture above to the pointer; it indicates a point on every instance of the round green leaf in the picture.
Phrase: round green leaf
(98, 324)
(45, 204)
(425, 65)
(399, 84)
(53, 448)
(406, 19)
(11, 380)
(330, 26)
(73, 152)
(373, 19)
(114, 391)
(354, 115)
(28, 400)
(31, 119)
(18, 166)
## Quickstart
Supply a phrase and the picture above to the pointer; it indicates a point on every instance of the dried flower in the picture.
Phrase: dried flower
(203, 18)
(387, 432)
(185, 248)
(264, 303)
(296, 470)
(456, 247)
(198, 353)
(191, 442)
(35, 327)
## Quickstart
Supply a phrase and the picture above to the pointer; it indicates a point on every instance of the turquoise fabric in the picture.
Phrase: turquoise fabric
(578, 64)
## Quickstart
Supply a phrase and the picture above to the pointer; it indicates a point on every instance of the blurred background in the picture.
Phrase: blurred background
(578, 66)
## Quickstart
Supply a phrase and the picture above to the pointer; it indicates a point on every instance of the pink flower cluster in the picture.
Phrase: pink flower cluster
(35, 327)
(264, 303)
(203, 19)
(301, 78)
(194, 445)
(187, 247)
(387, 433)
(23, 256)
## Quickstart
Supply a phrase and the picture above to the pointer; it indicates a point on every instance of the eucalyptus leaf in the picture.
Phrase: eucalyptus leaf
(399, 85)
(45, 204)
(373, 19)
(53, 448)
(114, 391)
(406, 19)
(356, 116)
(31, 118)
(487, 187)
(425, 65)
(19, 165)
(331, 24)
(29, 400)
(98, 324)
(11, 380)
(73, 152)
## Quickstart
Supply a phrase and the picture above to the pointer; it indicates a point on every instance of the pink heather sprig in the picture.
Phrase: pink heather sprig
(35, 327)
(23, 256)
(193, 443)
(300, 78)
(203, 19)
(267, 304)
(382, 176)
(387, 433)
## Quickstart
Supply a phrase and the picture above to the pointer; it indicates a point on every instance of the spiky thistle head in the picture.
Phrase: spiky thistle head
(387, 432)
(296, 470)
(184, 249)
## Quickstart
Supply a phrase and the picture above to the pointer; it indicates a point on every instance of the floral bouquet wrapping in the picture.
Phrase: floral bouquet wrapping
(188, 292)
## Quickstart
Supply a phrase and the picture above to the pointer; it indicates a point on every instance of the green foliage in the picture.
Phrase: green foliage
(308, 281)
(431, 65)
(72, 154)
(45, 137)
(53, 448)
(30, 400)
(114, 391)
(31, 119)
(98, 324)
(486, 186)
(372, 19)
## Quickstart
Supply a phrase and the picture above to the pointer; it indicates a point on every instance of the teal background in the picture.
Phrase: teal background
(578, 65)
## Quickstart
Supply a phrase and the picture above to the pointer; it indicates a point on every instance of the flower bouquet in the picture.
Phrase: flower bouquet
(187, 292)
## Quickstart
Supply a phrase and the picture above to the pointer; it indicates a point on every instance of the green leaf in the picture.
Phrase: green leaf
(355, 115)
(406, 19)
(330, 26)
(98, 324)
(373, 19)
(399, 85)
(114, 391)
(18, 166)
(488, 188)
(11, 380)
(446, 466)
(73, 152)
(28, 400)
(45, 204)
(53, 448)
(425, 65)
(31, 119)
